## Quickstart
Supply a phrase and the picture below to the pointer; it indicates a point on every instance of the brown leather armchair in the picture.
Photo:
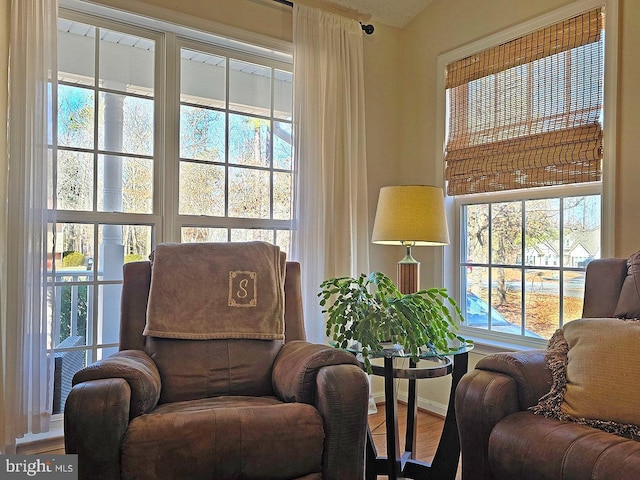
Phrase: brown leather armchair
(217, 409)
(502, 440)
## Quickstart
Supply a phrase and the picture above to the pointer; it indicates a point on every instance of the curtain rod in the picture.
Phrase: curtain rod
(368, 29)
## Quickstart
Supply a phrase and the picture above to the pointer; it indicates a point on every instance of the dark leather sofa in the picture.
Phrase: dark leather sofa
(502, 440)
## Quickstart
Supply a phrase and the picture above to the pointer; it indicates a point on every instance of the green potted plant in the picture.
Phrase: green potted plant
(372, 311)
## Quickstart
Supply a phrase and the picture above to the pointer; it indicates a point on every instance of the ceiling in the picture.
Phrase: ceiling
(395, 13)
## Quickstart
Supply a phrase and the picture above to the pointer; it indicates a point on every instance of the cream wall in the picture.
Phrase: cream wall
(628, 140)
(383, 98)
(258, 16)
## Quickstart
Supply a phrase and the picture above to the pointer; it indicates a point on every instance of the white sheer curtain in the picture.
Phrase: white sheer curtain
(27, 369)
(332, 236)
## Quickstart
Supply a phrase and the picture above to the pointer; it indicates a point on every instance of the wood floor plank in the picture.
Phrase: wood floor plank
(429, 428)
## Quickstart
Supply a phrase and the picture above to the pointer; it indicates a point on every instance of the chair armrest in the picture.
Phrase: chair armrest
(483, 398)
(137, 369)
(343, 402)
(527, 368)
(296, 367)
(500, 385)
(96, 416)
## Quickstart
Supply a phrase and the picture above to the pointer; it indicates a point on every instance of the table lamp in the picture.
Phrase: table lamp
(410, 215)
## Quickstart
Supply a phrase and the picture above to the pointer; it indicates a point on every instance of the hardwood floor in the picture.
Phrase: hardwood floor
(429, 427)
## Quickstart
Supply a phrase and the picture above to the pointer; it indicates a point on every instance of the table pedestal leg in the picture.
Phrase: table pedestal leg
(390, 406)
(445, 461)
(371, 470)
(412, 415)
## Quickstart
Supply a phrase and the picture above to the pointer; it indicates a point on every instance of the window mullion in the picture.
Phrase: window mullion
(567, 86)
(226, 142)
(490, 265)
(168, 133)
(561, 264)
(96, 115)
(270, 151)
(523, 266)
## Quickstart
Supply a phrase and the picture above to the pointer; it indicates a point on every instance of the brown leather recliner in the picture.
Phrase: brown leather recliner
(217, 409)
(502, 440)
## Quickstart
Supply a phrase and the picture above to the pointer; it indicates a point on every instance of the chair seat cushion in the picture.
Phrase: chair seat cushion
(530, 447)
(224, 438)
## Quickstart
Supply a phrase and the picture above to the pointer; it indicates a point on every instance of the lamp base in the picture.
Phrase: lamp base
(408, 274)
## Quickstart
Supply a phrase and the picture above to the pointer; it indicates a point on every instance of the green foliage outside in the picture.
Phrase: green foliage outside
(132, 257)
(73, 259)
(66, 294)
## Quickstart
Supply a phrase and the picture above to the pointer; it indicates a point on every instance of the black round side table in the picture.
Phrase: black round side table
(399, 464)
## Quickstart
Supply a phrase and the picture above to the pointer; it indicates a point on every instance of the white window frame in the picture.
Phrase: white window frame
(447, 260)
(96, 218)
(189, 32)
(177, 30)
(175, 221)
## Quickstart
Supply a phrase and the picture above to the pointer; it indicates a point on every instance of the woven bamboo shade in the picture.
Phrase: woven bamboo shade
(527, 113)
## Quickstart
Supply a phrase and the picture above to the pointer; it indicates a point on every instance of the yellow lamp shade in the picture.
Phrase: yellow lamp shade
(411, 215)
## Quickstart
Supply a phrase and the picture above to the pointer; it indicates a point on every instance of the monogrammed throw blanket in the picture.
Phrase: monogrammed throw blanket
(202, 291)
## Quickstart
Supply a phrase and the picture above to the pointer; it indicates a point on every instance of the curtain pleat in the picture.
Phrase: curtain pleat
(26, 373)
(331, 237)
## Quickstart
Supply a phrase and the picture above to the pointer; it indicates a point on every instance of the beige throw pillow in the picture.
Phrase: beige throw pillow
(595, 364)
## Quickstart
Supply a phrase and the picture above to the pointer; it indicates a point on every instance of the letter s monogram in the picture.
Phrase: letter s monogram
(242, 289)
(242, 293)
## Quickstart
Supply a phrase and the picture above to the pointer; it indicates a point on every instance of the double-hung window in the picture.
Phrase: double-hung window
(524, 155)
(161, 134)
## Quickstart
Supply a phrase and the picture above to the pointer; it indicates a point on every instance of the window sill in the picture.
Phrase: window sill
(490, 344)
(35, 443)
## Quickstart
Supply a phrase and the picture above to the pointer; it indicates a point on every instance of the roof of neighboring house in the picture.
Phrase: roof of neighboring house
(544, 248)
(586, 240)
(589, 240)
